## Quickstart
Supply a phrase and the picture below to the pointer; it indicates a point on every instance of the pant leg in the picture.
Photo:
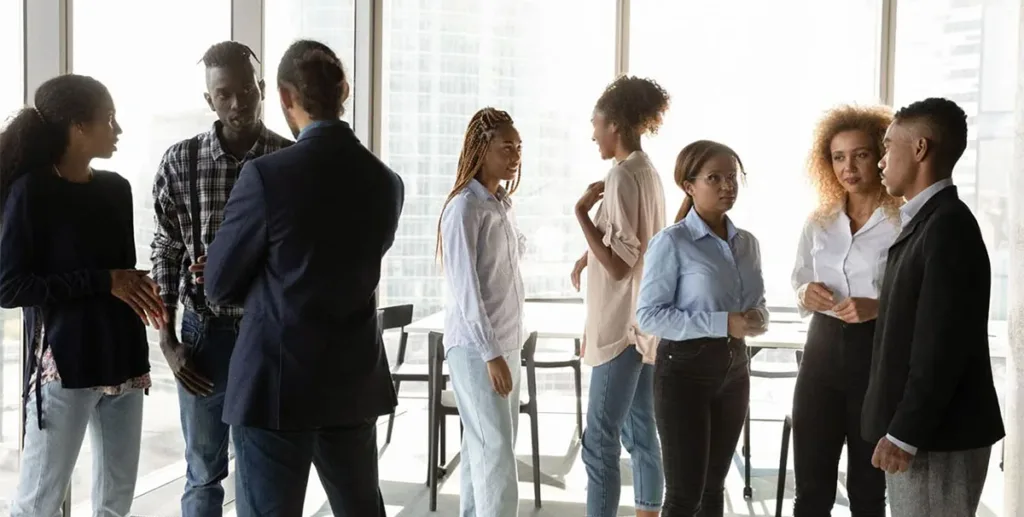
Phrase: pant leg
(346, 461)
(488, 436)
(49, 456)
(272, 470)
(940, 484)
(612, 388)
(728, 412)
(820, 425)
(211, 341)
(640, 438)
(865, 484)
(116, 432)
(687, 377)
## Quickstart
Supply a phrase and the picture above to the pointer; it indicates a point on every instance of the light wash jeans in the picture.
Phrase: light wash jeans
(115, 425)
(490, 482)
(621, 409)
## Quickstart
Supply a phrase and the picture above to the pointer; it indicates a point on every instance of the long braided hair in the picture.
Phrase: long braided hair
(475, 144)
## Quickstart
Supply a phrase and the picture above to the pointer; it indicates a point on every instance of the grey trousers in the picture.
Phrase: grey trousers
(939, 484)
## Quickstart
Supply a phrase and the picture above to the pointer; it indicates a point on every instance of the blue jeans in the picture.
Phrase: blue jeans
(490, 481)
(621, 409)
(210, 340)
(273, 468)
(50, 454)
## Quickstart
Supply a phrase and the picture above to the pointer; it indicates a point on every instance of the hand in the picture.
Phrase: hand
(739, 325)
(181, 364)
(756, 325)
(141, 293)
(890, 458)
(501, 377)
(856, 310)
(816, 297)
(593, 194)
(577, 269)
(198, 268)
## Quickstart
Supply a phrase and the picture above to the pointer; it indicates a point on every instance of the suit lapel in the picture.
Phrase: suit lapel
(944, 196)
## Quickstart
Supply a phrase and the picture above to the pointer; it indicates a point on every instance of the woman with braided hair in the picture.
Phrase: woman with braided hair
(480, 248)
(621, 407)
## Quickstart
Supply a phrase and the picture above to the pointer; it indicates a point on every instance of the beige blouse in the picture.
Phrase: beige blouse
(633, 211)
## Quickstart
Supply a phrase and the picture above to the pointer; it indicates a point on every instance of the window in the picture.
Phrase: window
(736, 78)
(12, 97)
(331, 22)
(445, 60)
(152, 72)
(966, 50)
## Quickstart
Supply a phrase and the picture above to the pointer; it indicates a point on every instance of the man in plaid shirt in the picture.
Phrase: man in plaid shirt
(190, 192)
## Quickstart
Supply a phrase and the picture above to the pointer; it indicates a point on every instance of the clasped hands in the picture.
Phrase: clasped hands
(815, 296)
(747, 324)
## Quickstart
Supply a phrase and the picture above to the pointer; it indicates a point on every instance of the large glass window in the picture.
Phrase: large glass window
(756, 76)
(12, 97)
(966, 50)
(545, 63)
(152, 72)
(331, 22)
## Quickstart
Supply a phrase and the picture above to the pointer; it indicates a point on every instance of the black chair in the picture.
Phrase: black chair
(442, 405)
(398, 317)
(780, 491)
(574, 362)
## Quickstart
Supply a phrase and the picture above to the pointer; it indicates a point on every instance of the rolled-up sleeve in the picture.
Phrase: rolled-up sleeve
(620, 213)
(460, 231)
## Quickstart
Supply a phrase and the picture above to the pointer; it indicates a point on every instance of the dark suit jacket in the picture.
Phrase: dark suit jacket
(931, 376)
(301, 245)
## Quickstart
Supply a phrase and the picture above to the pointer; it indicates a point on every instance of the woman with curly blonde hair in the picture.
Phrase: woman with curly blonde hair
(838, 273)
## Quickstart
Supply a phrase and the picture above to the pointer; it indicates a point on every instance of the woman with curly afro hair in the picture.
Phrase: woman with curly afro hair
(621, 407)
(838, 273)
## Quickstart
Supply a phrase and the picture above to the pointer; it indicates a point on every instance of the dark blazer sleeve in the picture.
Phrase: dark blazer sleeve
(240, 246)
(20, 284)
(399, 202)
(945, 334)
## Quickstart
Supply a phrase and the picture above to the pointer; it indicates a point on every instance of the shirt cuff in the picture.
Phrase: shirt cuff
(489, 352)
(720, 324)
(909, 449)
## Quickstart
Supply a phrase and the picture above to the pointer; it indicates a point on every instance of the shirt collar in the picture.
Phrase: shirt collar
(319, 124)
(913, 206)
(700, 229)
(217, 150)
(480, 191)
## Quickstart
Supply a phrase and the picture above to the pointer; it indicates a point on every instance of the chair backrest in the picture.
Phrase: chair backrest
(394, 317)
(542, 299)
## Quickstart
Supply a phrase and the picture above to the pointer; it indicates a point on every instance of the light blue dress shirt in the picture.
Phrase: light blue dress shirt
(481, 249)
(693, 279)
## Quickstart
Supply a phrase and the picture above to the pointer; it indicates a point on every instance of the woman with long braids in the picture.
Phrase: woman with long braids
(621, 407)
(67, 258)
(480, 248)
(703, 294)
(837, 277)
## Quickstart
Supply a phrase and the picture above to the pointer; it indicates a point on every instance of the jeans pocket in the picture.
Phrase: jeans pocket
(191, 331)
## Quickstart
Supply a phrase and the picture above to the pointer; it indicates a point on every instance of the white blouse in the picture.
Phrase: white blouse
(850, 264)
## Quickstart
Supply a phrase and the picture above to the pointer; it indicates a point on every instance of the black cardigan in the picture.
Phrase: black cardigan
(58, 242)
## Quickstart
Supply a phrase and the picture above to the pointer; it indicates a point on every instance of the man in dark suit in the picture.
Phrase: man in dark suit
(303, 236)
(931, 404)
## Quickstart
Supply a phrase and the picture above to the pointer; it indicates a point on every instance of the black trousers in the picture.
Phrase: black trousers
(701, 393)
(826, 413)
(273, 467)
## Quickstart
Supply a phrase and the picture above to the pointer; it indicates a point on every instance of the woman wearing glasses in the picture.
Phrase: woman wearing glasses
(702, 293)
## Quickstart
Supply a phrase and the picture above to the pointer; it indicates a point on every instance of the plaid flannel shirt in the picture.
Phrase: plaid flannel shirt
(172, 249)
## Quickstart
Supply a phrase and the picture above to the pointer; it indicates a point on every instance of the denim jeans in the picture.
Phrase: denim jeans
(210, 340)
(50, 454)
(490, 480)
(273, 469)
(621, 409)
(701, 393)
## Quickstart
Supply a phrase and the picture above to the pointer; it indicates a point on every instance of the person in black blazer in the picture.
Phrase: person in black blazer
(303, 236)
(931, 405)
